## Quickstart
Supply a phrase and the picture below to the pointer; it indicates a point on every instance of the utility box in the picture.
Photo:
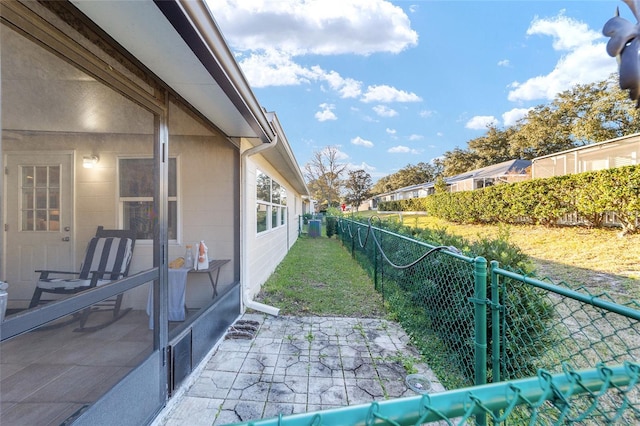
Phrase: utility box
(315, 228)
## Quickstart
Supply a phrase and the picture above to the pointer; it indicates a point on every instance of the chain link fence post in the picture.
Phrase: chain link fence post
(495, 322)
(480, 299)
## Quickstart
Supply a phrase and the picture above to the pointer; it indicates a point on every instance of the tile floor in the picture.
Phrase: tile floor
(47, 376)
(297, 365)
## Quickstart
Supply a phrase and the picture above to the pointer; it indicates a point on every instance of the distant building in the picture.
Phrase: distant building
(505, 172)
(623, 151)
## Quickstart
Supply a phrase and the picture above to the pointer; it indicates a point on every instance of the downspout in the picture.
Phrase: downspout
(244, 262)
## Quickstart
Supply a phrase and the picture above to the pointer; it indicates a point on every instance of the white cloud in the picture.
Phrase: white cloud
(362, 166)
(401, 149)
(440, 134)
(567, 33)
(362, 142)
(384, 111)
(425, 113)
(384, 93)
(582, 66)
(326, 113)
(391, 131)
(341, 155)
(273, 68)
(504, 63)
(510, 118)
(582, 62)
(415, 137)
(481, 122)
(346, 87)
(322, 27)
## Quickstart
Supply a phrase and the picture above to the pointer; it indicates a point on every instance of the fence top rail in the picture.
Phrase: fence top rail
(592, 300)
(370, 228)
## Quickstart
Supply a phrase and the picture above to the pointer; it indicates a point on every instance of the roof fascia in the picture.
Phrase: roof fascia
(194, 22)
(591, 145)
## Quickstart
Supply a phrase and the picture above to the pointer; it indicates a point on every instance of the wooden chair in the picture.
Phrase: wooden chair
(107, 259)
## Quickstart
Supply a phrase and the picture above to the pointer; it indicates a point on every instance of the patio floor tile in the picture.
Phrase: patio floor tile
(297, 365)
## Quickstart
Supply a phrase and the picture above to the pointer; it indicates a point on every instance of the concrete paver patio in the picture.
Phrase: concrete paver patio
(296, 365)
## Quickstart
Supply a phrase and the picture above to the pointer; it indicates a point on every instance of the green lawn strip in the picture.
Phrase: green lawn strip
(318, 277)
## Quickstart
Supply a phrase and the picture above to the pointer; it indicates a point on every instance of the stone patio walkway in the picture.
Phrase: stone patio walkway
(297, 365)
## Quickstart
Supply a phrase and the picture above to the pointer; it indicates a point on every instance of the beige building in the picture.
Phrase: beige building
(505, 172)
(623, 151)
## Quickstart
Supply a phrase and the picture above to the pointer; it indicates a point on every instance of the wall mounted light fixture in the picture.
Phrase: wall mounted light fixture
(89, 162)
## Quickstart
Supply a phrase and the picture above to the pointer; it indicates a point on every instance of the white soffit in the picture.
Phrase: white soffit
(141, 28)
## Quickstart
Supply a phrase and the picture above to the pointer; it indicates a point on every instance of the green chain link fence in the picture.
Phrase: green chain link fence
(548, 399)
(497, 324)
(526, 336)
(434, 283)
(583, 328)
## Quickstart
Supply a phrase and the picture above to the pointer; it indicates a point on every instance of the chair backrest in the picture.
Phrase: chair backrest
(110, 250)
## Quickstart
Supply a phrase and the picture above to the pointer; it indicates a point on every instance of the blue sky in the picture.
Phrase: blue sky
(392, 83)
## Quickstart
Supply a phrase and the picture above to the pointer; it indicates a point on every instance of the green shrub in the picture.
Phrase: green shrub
(441, 286)
(589, 195)
(332, 226)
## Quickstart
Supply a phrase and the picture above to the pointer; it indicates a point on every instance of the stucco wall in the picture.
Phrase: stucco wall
(207, 172)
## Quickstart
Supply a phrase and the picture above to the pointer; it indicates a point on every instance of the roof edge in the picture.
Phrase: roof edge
(194, 22)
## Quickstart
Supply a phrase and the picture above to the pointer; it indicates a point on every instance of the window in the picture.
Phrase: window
(136, 197)
(271, 203)
(40, 194)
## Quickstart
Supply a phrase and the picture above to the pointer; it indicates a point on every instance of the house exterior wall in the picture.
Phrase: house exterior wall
(206, 187)
(208, 193)
(265, 250)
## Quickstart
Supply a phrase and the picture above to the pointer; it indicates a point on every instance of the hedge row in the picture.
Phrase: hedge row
(590, 195)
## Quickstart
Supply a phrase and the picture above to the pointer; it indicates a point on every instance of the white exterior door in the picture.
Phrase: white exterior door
(39, 218)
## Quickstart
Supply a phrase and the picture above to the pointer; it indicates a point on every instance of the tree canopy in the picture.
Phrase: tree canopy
(584, 114)
(409, 175)
(324, 175)
(358, 186)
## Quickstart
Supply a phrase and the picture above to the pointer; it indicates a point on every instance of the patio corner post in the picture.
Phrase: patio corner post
(480, 300)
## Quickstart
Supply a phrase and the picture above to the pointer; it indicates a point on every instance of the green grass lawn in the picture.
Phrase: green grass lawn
(319, 277)
(600, 259)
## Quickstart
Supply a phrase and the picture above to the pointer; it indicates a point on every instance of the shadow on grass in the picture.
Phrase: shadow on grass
(596, 282)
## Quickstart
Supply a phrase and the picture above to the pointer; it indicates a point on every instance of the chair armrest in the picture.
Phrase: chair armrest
(44, 273)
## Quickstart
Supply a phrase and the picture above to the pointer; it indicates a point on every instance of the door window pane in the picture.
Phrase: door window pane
(40, 206)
